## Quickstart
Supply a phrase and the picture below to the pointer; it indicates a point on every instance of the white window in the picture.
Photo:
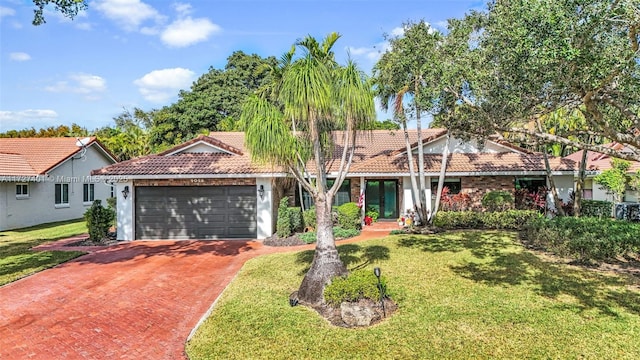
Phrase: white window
(88, 193)
(62, 195)
(22, 191)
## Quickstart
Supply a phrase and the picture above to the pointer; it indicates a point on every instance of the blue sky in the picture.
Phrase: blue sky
(139, 53)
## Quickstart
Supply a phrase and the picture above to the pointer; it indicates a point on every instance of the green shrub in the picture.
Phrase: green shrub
(283, 225)
(596, 208)
(99, 220)
(585, 239)
(295, 216)
(372, 213)
(112, 203)
(498, 200)
(360, 284)
(349, 216)
(507, 220)
(338, 232)
(309, 217)
(308, 237)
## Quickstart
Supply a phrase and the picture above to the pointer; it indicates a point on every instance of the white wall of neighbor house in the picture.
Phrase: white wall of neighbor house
(39, 206)
(125, 212)
(264, 205)
(460, 146)
(3, 205)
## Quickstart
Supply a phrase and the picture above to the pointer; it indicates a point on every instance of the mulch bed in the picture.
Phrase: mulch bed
(89, 242)
(275, 240)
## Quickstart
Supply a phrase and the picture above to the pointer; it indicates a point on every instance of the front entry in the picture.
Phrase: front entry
(382, 195)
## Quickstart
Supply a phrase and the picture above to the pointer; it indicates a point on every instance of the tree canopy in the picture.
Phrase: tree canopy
(214, 100)
(519, 60)
(68, 8)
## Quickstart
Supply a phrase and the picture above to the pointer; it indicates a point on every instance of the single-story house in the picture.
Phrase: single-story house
(208, 187)
(596, 164)
(49, 179)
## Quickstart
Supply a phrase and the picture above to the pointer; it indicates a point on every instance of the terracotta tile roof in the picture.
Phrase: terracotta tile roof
(35, 156)
(186, 164)
(379, 151)
(599, 162)
(465, 163)
(206, 139)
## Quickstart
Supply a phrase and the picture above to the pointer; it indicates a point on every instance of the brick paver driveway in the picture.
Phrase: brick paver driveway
(133, 301)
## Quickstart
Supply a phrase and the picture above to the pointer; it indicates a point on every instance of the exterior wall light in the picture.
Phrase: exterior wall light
(125, 192)
(261, 192)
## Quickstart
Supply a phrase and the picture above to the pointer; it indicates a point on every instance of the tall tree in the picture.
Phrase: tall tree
(68, 8)
(315, 96)
(409, 73)
(130, 136)
(214, 100)
(523, 59)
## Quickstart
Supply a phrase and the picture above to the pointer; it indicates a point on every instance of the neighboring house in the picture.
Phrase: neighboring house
(208, 187)
(49, 179)
(596, 164)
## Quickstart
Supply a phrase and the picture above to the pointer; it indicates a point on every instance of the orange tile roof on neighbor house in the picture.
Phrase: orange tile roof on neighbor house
(37, 156)
(599, 162)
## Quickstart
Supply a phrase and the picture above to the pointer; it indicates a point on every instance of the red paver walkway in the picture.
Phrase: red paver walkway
(137, 300)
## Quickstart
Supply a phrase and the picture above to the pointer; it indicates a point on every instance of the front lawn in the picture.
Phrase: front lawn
(18, 261)
(463, 295)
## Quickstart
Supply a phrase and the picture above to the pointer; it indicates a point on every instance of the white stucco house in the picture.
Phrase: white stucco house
(596, 164)
(49, 179)
(208, 187)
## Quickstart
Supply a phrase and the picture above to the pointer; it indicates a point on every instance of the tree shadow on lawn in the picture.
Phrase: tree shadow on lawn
(499, 266)
(353, 256)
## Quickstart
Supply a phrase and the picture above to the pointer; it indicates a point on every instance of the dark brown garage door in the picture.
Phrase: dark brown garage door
(196, 212)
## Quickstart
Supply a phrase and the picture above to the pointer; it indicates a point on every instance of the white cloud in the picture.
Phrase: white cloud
(127, 13)
(27, 118)
(397, 31)
(19, 56)
(5, 11)
(86, 84)
(161, 85)
(188, 31)
(182, 9)
(84, 26)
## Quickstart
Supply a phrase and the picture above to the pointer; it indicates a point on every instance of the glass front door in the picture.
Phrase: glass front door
(382, 196)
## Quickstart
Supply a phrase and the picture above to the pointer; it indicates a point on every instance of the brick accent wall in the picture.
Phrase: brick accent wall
(194, 182)
(477, 186)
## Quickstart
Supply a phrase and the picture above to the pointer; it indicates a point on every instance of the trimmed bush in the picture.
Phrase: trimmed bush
(295, 216)
(505, 220)
(498, 200)
(596, 208)
(360, 284)
(99, 220)
(309, 217)
(349, 216)
(283, 225)
(338, 233)
(585, 239)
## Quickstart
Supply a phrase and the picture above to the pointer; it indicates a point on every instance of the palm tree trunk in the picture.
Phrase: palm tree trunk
(326, 262)
(577, 200)
(423, 200)
(417, 199)
(443, 171)
(552, 184)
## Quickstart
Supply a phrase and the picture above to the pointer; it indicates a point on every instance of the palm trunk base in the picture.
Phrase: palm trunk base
(325, 266)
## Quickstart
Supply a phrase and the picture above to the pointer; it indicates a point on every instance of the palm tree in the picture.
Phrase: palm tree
(315, 96)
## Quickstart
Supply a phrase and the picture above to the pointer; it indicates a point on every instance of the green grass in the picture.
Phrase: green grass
(18, 261)
(461, 295)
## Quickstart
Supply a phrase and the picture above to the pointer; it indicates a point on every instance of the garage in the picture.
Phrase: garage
(195, 212)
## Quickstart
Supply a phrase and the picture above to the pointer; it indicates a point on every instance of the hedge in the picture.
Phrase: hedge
(586, 238)
(507, 220)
